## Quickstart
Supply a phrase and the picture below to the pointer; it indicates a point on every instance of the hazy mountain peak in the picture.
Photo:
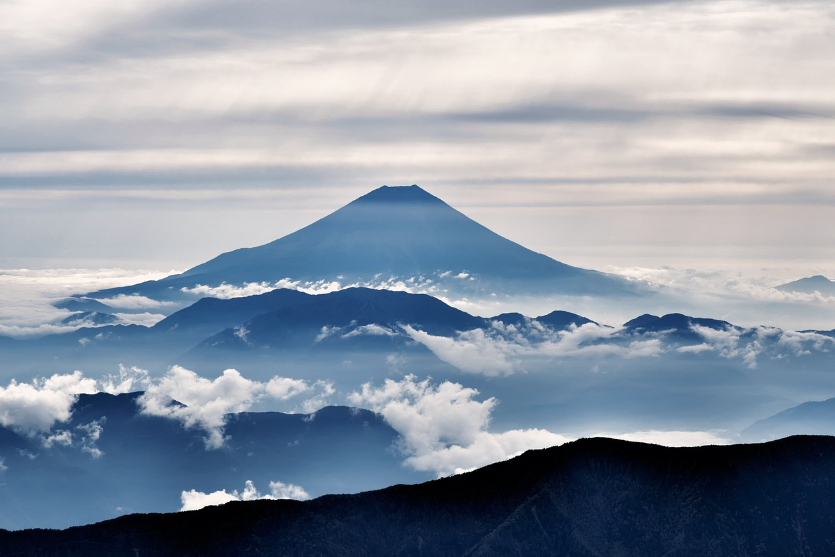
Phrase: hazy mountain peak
(402, 232)
(810, 285)
(398, 194)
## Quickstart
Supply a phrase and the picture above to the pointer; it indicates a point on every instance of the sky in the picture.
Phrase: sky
(689, 143)
(608, 134)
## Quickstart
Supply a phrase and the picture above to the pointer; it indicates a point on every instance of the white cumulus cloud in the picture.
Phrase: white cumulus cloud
(35, 407)
(443, 428)
(128, 380)
(193, 500)
(203, 403)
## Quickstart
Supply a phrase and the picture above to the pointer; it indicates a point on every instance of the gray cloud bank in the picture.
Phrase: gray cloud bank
(216, 107)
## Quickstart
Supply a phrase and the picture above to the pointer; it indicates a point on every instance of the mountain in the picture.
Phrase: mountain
(557, 320)
(587, 498)
(401, 232)
(673, 324)
(560, 320)
(815, 418)
(112, 459)
(83, 304)
(90, 318)
(354, 309)
(301, 333)
(209, 316)
(810, 285)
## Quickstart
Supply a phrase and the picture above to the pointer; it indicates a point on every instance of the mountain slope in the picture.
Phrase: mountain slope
(142, 463)
(812, 417)
(400, 232)
(307, 324)
(810, 285)
(208, 316)
(675, 325)
(587, 498)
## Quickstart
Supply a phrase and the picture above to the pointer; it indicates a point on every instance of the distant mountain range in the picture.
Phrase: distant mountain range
(401, 232)
(810, 285)
(810, 418)
(142, 462)
(283, 320)
(588, 498)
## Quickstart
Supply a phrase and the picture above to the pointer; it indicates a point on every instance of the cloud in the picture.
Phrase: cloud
(503, 350)
(136, 302)
(443, 428)
(470, 351)
(370, 330)
(193, 500)
(282, 388)
(801, 344)
(90, 433)
(672, 438)
(26, 295)
(128, 380)
(281, 490)
(35, 407)
(145, 319)
(695, 348)
(320, 400)
(204, 404)
(743, 293)
(228, 291)
(750, 344)
(651, 103)
(61, 437)
(82, 436)
(413, 285)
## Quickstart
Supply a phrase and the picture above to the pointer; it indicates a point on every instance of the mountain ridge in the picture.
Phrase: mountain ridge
(589, 497)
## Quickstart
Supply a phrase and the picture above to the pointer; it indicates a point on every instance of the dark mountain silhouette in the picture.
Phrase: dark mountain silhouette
(393, 231)
(303, 325)
(816, 418)
(557, 320)
(209, 316)
(588, 498)
(810, 285)
(560, 320)
(675, 325)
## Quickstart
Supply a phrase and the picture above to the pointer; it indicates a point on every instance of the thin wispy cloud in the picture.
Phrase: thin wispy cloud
(549, 105)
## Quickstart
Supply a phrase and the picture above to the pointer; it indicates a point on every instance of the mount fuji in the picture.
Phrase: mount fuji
(392, 232)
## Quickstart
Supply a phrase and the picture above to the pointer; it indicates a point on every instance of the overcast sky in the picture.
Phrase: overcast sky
(155, 134)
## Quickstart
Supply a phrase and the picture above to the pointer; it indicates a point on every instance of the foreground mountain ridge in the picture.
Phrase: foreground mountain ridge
(590, 497)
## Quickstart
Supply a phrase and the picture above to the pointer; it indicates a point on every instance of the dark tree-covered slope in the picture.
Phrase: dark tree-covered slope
(588, 498)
